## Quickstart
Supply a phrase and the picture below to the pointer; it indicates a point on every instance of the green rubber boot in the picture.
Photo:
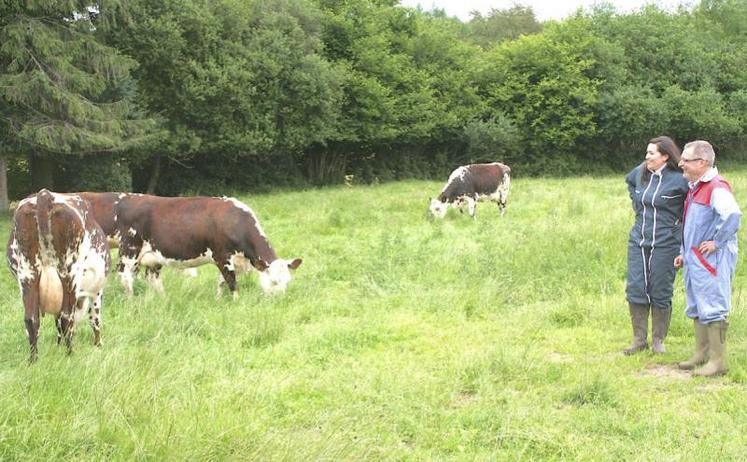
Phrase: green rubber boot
(639, 319)
(701, 347)
(660, 318)
(716, 364)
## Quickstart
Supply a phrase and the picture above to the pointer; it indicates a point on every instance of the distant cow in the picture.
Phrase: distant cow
(471, 183)
(192, 231)
(60, 257)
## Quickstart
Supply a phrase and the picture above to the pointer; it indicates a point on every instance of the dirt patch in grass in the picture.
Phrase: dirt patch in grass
(463, 400)
(666, 371)
(559, 358)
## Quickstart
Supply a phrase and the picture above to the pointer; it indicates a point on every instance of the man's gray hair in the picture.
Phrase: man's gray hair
(702, 149)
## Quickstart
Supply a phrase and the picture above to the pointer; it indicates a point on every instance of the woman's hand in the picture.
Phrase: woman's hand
(678, 262)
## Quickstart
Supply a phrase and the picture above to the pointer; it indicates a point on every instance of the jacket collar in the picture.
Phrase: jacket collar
(710, 174)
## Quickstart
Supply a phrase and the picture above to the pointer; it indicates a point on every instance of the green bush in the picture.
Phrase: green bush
(95, 172)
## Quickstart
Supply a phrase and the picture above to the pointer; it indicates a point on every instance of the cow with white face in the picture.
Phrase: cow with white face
(469, 184)
(60, 257)
(187, 232)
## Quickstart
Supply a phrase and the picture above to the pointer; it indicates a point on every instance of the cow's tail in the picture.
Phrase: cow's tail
(50, 285)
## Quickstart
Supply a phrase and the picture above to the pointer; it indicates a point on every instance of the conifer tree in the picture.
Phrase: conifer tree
(63, 91)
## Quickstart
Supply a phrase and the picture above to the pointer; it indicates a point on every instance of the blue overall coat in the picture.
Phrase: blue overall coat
(711, 214)
(656, 236)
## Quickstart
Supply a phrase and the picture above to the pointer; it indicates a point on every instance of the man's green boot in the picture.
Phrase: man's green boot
(716, 364)
(701, 347)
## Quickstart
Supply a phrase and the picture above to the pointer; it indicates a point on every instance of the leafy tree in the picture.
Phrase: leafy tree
(543, 84)
(502, 24)
(237, 83)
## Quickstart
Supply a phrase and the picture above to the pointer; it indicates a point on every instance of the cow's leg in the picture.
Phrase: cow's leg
(58, 324)
(67, 323)
(71, 311)
(57, 319)
(129, 250)
(153, 276)
(31, 317)
(229, 274)
(459, 204)
(471, 206)
(94, 317)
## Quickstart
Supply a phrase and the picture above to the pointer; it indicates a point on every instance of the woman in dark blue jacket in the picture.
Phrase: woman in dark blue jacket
(657, 191)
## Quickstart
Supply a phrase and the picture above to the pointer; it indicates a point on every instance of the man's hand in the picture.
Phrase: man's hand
(707, 247)
(678, 261)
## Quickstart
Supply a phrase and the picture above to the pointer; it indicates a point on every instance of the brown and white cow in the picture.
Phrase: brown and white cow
(103, 206)
(471, 183)
(192, 231)
(60, 257)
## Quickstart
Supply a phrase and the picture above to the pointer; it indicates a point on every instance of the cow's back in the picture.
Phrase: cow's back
(184, 227)
(102, 207)
(486, 178)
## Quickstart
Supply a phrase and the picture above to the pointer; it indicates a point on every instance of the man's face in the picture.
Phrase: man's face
(692, 167)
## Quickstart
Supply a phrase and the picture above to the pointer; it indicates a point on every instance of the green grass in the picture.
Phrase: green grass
(400, 339)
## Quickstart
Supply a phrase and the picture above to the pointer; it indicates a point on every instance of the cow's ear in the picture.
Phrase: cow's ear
(261, 265)
(295, 263)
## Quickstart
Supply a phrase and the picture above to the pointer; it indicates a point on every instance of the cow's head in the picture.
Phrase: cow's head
(438, 208)
(274, 277)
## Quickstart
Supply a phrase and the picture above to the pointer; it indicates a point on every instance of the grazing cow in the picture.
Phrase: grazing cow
(472, 183)
(60, 257)
(103, 206)
(192, 231)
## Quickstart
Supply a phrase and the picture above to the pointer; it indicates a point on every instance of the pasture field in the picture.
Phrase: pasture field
(400, 339)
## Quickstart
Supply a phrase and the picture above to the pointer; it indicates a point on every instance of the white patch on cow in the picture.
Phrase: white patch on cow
(127, 272)
(438, 208)
(89, 269)
(150, 257)
(24, 269)
(132, 232)
(276, 277)
(241, 206)
(29, 200)
(81, 309)
(459, 173)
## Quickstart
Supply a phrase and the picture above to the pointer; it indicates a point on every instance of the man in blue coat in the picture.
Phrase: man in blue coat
(708, 255)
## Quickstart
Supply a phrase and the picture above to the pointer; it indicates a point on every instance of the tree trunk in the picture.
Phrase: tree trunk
(154, 175)
(3, 185)
(42, 172)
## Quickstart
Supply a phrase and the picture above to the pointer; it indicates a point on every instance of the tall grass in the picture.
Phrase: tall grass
(400, 338)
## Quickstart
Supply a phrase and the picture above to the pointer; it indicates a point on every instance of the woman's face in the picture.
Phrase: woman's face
(654, 159)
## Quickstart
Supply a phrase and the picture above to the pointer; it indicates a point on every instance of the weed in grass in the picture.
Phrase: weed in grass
(595, 392)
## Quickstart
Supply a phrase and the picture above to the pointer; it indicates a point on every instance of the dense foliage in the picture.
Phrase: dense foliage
(189, 96)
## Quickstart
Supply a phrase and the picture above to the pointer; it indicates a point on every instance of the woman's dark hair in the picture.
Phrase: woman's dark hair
(667, 147)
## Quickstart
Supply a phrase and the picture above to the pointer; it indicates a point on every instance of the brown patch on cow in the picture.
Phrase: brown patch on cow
(666, 371)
